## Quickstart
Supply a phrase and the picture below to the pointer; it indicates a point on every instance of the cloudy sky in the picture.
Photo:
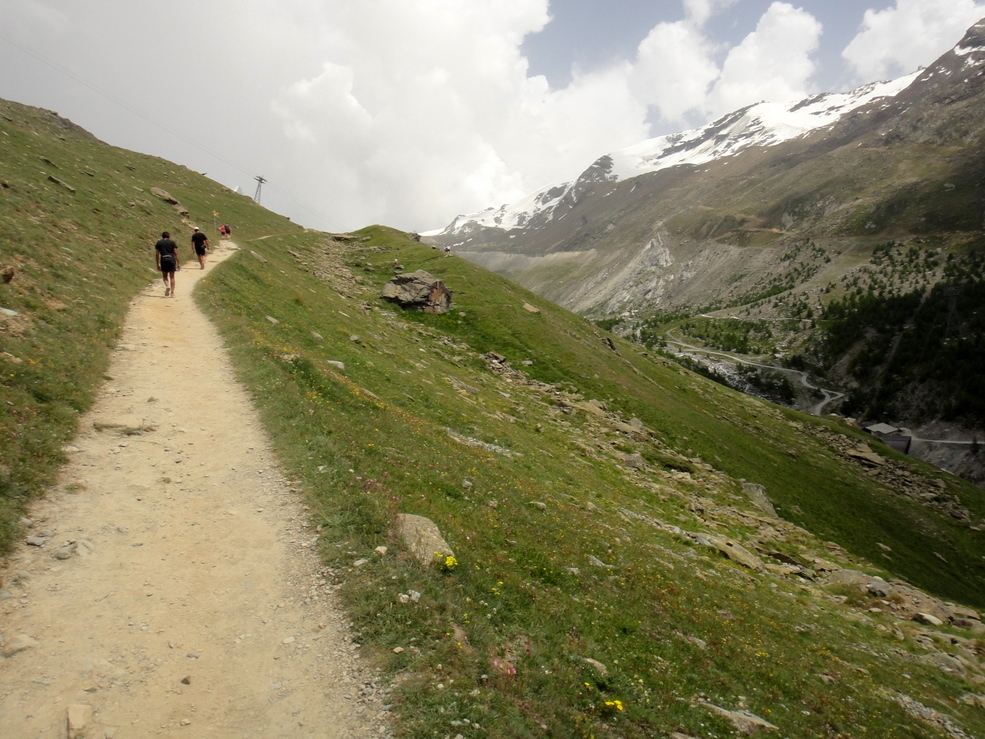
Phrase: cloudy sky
(410, 112)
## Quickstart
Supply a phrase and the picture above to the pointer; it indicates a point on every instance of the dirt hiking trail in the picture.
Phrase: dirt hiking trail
(171, 586)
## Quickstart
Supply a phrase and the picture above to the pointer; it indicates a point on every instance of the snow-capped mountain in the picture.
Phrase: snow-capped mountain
(762, 124)
(713, 216)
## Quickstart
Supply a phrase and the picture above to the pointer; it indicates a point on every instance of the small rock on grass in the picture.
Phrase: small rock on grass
(744, 721)
(422, 537)
(602, 669)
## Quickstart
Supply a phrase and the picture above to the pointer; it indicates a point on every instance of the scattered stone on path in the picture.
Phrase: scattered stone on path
(18, 644)
(78, 718)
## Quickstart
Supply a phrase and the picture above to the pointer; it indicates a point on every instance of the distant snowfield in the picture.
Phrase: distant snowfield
(763, 124)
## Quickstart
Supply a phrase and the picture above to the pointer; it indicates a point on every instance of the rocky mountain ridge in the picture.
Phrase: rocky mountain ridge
(759, 125)
(670, 221)
(811, 217)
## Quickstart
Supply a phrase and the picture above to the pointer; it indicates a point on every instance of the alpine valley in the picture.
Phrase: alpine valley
(837, 238)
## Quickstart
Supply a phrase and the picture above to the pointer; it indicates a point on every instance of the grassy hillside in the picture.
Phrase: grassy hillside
(588, 490)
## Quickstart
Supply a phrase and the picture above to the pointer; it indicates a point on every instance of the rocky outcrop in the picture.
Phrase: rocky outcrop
(418, 291)
(170, 200)
(758, 497)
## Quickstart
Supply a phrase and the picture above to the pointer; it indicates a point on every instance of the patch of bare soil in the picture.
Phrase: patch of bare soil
(172, 587)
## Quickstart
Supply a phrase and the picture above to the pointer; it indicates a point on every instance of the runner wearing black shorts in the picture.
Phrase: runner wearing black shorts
(166, 256)
(201, 243)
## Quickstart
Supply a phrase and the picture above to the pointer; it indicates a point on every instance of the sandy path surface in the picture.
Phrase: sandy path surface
(176, 590)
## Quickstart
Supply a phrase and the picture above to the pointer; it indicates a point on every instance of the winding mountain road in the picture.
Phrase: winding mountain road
(829, 395)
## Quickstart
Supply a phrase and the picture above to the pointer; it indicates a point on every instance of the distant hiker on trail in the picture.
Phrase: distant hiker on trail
(222, 232)
(201, 244)
(229, 231)
(166, 256)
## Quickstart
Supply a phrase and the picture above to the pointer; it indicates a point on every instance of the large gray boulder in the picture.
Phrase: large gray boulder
(420, 291)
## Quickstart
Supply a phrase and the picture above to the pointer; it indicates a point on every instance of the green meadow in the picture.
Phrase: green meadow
(578, 478)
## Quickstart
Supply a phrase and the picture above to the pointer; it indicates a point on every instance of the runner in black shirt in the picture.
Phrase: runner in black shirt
(201, 244)
(166, 255)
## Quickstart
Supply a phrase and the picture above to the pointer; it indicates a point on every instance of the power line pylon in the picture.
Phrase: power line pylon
(260, 180)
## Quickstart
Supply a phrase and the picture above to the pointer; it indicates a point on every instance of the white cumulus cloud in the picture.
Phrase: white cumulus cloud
(891, 39)
(428, 107)
(409, 113)
(774, 62)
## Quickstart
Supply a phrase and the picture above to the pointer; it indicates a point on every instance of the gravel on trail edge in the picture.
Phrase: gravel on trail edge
(170, 583)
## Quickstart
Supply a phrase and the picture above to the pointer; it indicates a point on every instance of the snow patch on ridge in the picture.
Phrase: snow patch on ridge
(762, 124)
